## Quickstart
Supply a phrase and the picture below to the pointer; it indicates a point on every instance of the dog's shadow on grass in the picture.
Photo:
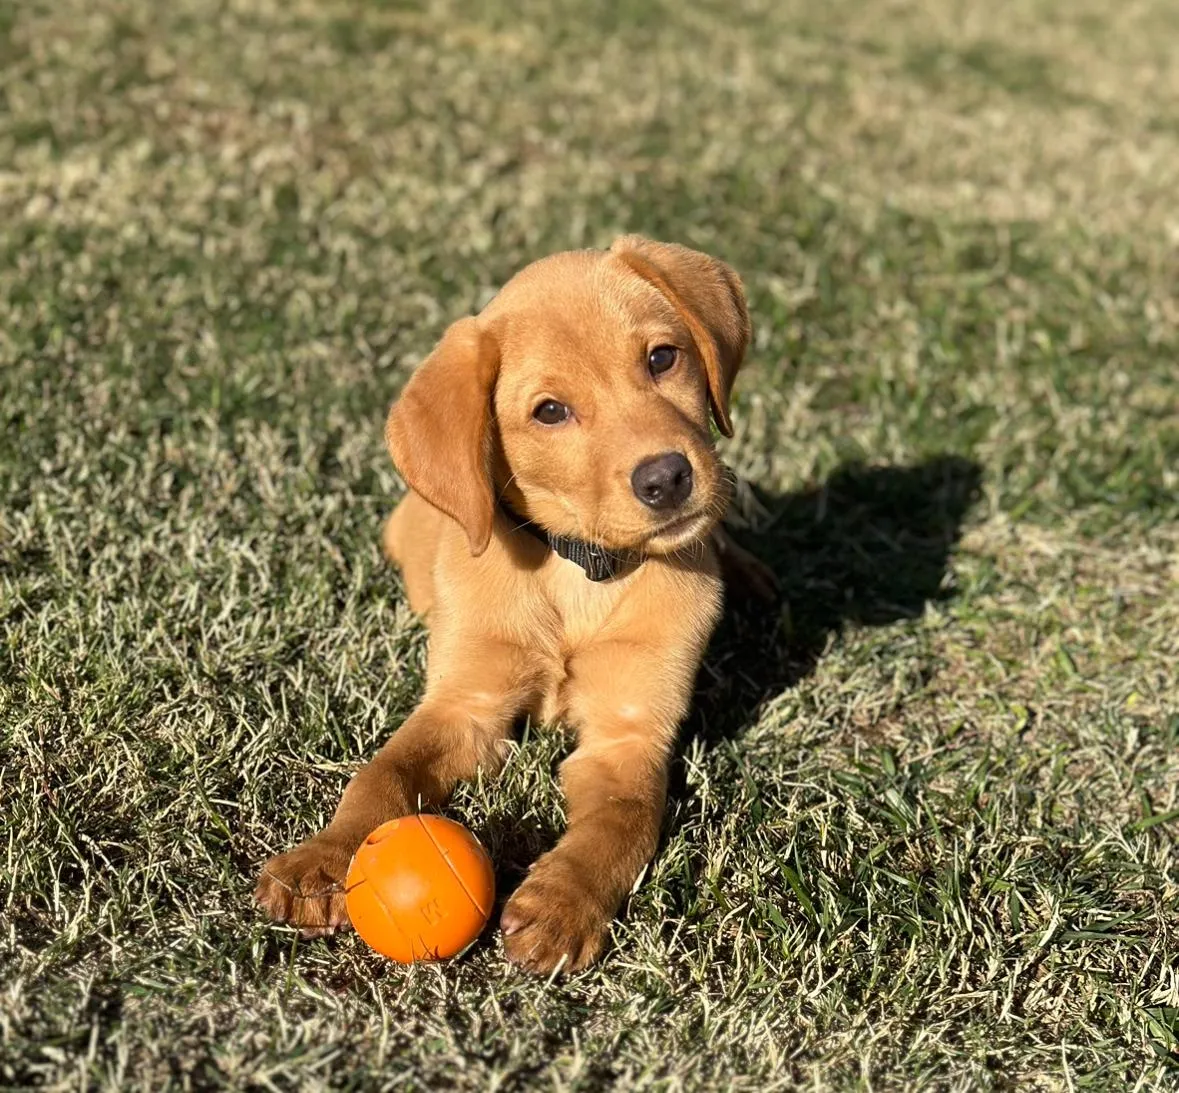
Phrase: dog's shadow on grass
(868, 547)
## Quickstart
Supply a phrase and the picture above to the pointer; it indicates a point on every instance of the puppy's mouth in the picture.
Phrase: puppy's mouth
(678, 532)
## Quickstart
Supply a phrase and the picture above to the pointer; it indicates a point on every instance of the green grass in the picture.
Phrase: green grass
(923, 825)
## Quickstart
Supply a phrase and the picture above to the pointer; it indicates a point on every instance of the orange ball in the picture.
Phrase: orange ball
(420, 888)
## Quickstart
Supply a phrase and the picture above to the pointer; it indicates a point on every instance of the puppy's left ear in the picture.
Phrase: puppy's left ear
(439, 430)
(711, 301)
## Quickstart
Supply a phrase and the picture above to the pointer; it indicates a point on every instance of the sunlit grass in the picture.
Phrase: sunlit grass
(922, 829)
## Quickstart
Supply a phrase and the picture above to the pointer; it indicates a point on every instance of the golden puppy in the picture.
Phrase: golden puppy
(561, 534)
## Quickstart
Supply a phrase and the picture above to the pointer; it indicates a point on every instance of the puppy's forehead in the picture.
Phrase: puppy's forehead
(580, 302)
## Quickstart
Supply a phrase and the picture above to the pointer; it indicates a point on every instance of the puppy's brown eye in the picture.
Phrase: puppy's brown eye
(661, 359)
(551, 412)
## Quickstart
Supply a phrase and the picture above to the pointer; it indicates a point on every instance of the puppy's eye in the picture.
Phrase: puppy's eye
(661, 359)
(551, 412)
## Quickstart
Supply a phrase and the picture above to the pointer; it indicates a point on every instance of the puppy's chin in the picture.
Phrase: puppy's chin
(679, 533)
(637, 532)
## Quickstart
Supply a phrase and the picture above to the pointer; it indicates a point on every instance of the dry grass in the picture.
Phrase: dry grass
(923, 832)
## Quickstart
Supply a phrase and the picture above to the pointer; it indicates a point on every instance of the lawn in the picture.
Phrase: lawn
(924, 820)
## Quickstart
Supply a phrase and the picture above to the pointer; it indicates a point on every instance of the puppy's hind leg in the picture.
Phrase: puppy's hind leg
(742, 571)
(409, 540)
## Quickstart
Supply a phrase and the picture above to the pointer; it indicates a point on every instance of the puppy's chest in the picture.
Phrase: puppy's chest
(575, 612)
(578, 608)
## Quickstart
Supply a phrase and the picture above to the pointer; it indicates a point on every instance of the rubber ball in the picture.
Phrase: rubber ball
(420, 888)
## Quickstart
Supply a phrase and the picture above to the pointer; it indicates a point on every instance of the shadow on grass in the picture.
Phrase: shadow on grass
(868, 547)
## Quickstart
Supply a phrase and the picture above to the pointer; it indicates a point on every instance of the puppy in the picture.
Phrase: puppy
(560, 533)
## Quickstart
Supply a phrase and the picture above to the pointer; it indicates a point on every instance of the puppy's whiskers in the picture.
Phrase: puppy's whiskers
(504, 490)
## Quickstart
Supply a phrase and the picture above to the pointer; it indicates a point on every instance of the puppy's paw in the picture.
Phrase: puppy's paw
(552, 921)
(305, 886)
(744, 572)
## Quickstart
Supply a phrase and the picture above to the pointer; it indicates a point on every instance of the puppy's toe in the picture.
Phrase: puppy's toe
(305, 887)
(552, 922)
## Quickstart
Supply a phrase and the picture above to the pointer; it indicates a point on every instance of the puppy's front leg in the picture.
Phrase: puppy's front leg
(615, 786)
(457, 730)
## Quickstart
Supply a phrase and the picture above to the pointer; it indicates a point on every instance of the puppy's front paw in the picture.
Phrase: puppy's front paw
(305, 887)
(553, 921)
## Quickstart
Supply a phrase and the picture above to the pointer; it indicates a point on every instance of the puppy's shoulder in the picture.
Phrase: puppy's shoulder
(684, 589)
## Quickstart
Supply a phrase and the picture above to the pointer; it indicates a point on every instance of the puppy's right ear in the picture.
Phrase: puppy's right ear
(439, 430)
(710, 299)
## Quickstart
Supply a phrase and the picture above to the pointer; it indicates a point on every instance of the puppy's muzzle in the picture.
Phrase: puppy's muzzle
(663, 482)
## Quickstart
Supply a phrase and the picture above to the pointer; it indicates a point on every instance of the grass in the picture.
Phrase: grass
(923, 825)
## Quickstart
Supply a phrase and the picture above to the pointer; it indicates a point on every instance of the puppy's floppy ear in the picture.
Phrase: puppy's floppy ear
(439, 430)
(710, 299)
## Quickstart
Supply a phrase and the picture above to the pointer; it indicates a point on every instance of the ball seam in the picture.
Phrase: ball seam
(454, 872)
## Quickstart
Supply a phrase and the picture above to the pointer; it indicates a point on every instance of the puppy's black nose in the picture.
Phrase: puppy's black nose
(663, 482)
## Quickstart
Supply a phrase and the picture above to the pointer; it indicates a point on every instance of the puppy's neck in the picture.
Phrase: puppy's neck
(597, 562)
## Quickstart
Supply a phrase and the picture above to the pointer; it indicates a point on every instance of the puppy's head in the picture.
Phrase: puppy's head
(582, 395)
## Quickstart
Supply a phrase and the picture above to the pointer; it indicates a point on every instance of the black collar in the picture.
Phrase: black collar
(599, 563)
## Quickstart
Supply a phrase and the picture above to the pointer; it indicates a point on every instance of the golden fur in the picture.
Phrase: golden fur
(514, 628)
